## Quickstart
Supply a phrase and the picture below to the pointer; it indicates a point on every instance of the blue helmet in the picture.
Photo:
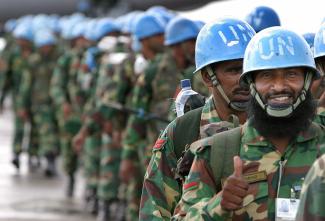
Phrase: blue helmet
(44, 37)
(104, 27)
(78, 30)
(148, 25)
(180, 29)
(273, 48)
(224, 39)
(165, 13)
(277, 47)
(90, 30)
(23, 31)
(309, 37)
(10, 25)
(319, 42)
(263, 17)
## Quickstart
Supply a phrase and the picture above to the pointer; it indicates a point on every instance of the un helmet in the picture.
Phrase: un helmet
(222, 40)
(44, 37)
(148, 25)
(263, 17)
(180, 29)
(275, 48)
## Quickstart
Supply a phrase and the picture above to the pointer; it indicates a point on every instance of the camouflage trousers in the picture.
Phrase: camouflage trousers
(67, 129)
(20, 133)
(46, 129)
(110, 158)
(91, 159)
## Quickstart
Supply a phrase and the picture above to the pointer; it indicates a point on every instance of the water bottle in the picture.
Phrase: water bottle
(187, 99)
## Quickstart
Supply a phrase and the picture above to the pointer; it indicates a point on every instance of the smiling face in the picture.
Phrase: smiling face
(279, 88)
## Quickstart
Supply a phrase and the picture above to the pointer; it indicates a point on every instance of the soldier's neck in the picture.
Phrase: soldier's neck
(224, 111)
(280, 143)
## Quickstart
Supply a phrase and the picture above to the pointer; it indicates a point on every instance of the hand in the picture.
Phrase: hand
(78, 142)
(127, 171)
(66, 110)
(235, 188)
(23, 114)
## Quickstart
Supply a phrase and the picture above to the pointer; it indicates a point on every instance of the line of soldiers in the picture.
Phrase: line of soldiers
(100, 91)
(97, 92)
(245, 154)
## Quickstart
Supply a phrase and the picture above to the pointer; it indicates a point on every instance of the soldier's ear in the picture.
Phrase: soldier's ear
(206, 78)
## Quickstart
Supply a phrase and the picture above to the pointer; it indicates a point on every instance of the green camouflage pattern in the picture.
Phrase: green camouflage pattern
(201, 199)
(34, 97)
(161, 191)
(12, 76)
(63, 78)
(312, 197)
(320, 116)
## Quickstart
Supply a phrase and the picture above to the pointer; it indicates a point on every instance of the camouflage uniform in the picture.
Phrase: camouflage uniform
(161, 191)
(153, 93)
(320, 117)
(16, 64)
(34, 97)
(63, 82)
(312, 198)
(201, 201)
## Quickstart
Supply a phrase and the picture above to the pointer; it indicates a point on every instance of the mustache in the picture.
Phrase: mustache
(240, 90)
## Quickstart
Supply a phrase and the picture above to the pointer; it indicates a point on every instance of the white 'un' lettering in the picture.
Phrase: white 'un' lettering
(276, 46)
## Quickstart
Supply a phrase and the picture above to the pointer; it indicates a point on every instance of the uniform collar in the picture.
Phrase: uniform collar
(252, 137)
(209, 113)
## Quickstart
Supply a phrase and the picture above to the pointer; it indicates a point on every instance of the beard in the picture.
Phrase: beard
(281, 127)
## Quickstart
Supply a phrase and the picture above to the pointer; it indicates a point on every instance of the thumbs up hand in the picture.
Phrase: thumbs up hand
(235, 188)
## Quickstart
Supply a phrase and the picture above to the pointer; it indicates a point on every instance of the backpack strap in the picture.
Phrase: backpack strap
(187, 130)
(225, 146)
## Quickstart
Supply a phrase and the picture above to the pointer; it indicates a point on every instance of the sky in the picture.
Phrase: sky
(301, 16)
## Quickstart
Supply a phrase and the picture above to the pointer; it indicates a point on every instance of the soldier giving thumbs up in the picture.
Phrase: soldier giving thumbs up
(235, 188)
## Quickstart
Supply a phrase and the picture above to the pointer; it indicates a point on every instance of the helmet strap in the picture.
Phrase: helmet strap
(284, 112)
(216, 84)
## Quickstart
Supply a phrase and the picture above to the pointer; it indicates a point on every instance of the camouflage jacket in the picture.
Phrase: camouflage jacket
(161, 191)
(312, 198)
(113, 84)
(201, 198)
(320, 117)
(34, 89)
(58, 89)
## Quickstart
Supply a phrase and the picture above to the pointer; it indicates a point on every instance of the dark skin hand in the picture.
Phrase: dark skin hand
(235, 188)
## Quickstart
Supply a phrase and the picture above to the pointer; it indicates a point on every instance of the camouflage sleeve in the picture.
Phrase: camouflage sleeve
(24, 93)
(312, 198)
(161, 191)
(58, 88)
(136, 126)
(199, 200)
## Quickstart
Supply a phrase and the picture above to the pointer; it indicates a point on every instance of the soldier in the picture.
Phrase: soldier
(68, 123)
(16, 63)
(263, 17)
(312, 199)
(318, 86)
(180, 37)
(34, 97)
(220, 66)
(246, 173)
(150, 94)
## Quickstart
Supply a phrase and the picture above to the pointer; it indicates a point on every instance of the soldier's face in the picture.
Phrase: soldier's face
(228, 74)
(279, 87)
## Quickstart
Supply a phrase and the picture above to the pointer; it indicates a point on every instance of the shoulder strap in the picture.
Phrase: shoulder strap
(225, 146)
(187, 130)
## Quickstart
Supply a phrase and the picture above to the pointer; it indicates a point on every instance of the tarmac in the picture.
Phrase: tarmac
(30, 196)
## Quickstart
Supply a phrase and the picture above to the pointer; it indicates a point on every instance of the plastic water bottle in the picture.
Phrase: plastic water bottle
(186, 94)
